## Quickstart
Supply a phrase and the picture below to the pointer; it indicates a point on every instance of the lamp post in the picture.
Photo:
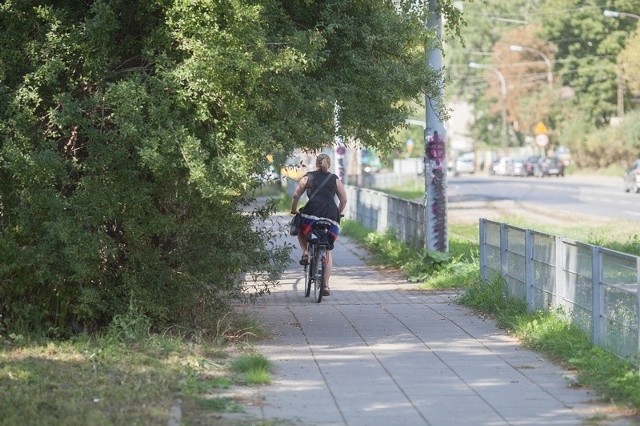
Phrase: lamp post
(545, 58)
(616, 14)
(503, 92)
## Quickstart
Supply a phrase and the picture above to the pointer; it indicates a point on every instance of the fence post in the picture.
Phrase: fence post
(529, 270)
(638, 298)
(559, 286)
(597, 296)
(483, 248)
(504, 246)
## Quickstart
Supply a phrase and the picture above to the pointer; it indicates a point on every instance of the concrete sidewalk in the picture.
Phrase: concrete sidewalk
(376, 352)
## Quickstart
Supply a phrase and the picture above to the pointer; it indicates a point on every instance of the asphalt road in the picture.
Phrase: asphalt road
(601, 197)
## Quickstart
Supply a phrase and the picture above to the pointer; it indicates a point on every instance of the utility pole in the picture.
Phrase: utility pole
(435, 161)
(340, 149)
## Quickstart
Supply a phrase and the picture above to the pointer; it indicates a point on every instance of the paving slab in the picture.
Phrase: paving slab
(378, 352)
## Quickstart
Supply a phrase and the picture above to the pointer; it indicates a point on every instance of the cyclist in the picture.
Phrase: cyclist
(321, 205)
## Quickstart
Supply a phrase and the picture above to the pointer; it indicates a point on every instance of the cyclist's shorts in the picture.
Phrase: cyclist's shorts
(309, 220)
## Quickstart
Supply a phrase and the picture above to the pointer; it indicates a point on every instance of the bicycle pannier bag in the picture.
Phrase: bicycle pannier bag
(294, 225)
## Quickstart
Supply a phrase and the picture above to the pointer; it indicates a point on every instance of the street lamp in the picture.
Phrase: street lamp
(616, 14)
(503, 92)
(545, 58)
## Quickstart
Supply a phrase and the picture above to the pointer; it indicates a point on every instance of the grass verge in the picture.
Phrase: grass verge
(433, 270)
(127, 377)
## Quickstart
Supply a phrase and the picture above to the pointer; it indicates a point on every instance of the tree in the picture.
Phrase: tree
(486, 41)
(629, 63)
(587, 45)
(131, 134)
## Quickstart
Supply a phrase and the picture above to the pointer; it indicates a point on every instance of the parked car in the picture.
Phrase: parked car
(465, 164)
(549, 166)
(492, 166)
(530, 164)
(519, 168)
(632, 177)
(503, 167)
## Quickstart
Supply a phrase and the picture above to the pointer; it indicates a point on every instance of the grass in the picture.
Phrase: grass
(433, 270)
(124, 376)
(254, 369)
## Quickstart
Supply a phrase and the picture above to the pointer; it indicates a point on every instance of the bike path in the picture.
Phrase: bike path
(377, 352)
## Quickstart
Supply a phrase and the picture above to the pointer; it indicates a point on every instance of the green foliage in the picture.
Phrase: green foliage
(253, 368)
(489, 297)
(129, 327)
(221, 404)
(609, 146)
(591, 56)
(457, 268)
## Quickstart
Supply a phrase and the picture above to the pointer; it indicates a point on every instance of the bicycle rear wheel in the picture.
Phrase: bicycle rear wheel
(308, 272)
(318, 282)
(307, 280)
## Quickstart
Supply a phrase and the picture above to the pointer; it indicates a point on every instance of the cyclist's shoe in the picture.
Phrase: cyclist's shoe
(326, 292)
(305, 260)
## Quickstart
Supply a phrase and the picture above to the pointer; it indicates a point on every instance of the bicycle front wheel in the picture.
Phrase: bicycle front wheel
(320, 264)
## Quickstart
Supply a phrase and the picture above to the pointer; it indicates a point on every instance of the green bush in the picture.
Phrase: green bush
(120, 180)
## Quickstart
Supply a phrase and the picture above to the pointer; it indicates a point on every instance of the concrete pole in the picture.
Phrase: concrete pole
(436, 232)
(340, 149)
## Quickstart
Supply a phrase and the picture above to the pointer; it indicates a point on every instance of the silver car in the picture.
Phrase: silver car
(632, 177)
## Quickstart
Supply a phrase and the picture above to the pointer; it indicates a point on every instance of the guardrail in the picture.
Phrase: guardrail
(595, 287)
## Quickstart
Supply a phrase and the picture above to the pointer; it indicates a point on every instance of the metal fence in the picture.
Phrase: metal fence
(596, 288)
(385, 213)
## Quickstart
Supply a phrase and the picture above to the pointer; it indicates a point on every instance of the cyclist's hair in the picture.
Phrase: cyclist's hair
(323, 162)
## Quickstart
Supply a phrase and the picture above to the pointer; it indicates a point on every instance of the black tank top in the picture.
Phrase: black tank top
(323, 203)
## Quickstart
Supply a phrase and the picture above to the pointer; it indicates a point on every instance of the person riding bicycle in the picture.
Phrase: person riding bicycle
(321, 206)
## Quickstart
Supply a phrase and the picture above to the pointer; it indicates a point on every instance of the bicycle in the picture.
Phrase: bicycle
(314, 272)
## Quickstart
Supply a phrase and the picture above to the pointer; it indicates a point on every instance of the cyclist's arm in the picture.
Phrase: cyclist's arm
(302, 185)
(342, 195)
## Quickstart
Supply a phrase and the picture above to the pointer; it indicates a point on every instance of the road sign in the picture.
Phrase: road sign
(542, 140)
(540, 129)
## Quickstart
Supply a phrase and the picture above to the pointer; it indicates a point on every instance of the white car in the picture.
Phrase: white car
(465, 164)
(503, 167)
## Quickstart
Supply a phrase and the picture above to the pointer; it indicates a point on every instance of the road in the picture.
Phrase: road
(597, 196)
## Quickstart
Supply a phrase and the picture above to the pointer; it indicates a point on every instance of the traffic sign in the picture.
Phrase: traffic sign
(542, 140)
(540, 129)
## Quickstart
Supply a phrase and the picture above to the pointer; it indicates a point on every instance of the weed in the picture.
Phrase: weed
(435, 270)
(247, 363)
(257, 377)
(221, 404)
(253, 368)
